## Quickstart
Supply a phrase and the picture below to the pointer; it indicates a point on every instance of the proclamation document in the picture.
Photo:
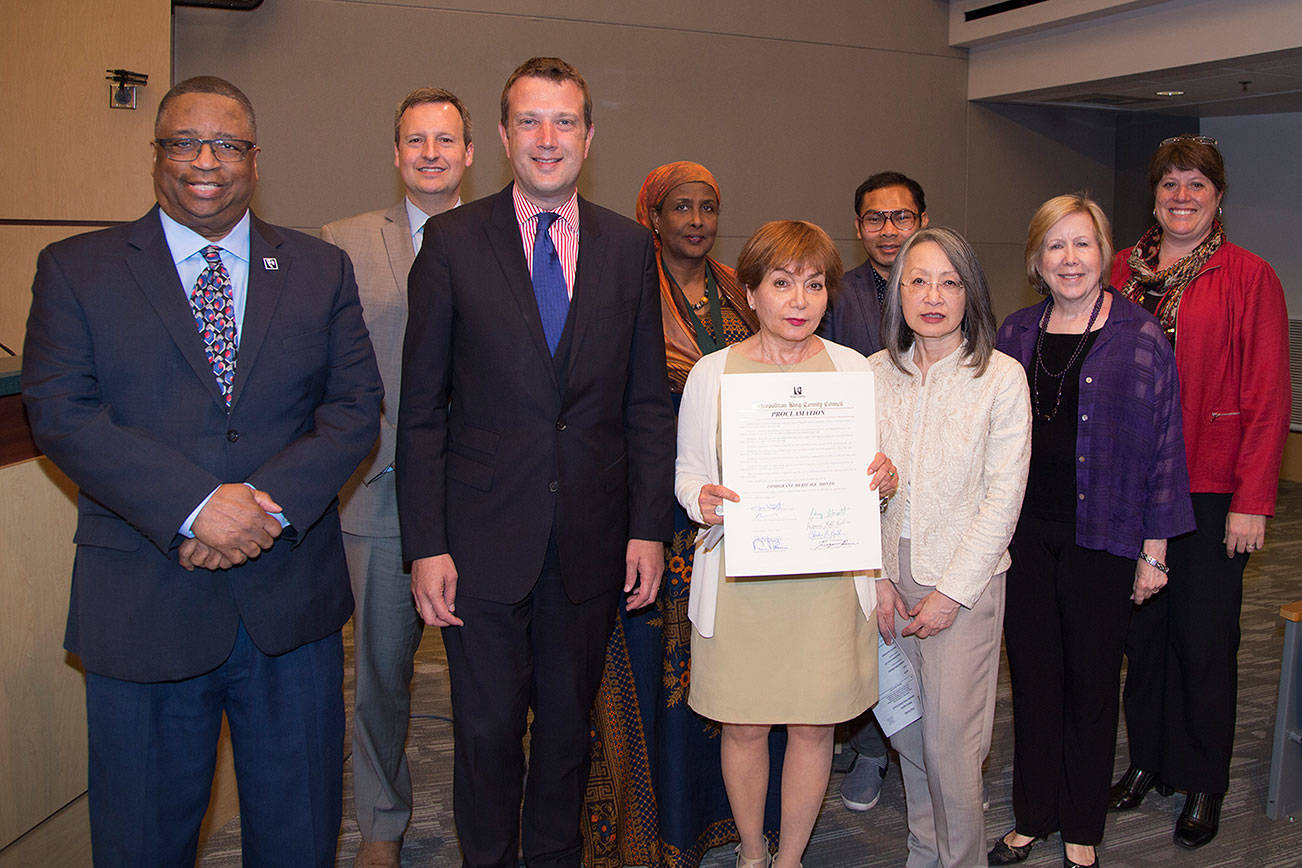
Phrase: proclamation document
(796, 448)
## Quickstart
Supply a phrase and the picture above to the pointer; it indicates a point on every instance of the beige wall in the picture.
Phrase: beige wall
(68, 158)
(52, 68)
(791, 106)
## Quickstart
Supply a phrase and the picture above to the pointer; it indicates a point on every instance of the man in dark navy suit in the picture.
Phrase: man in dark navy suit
(207, 381)
(535, 464)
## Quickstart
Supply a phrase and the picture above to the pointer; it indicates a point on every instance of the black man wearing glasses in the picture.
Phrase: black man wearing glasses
(207, 381)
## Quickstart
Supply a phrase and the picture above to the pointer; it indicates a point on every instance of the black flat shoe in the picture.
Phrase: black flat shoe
(1199, 821)
(1004, 853)
(1128, 792)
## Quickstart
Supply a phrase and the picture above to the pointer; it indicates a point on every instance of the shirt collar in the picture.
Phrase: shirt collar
(526, 210)
(184, 242)
(415, 216)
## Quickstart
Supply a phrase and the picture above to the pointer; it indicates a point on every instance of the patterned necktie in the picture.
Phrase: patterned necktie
(549, 282)
(213, 304)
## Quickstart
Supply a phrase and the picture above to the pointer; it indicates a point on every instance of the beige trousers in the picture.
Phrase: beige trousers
(941, 754)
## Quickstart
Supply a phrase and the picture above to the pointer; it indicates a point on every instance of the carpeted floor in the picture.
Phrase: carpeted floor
(1137, 839)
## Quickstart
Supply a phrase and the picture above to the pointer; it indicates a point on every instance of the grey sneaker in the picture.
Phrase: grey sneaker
(862, 785)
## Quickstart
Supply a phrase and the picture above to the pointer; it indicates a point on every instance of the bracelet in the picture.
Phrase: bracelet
(1154, 563)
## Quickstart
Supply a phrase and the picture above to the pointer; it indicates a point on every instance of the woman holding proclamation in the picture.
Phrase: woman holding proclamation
(655, 795)
(1223, 309)
(1107, 489)
(955, 412)
(794, 650)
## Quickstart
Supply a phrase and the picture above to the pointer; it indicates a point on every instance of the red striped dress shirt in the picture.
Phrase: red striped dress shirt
(564, 232)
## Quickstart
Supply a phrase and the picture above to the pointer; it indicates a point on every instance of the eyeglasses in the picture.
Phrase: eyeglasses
(1202, 140)
(903, 219)
(949, 286)
(187, 150)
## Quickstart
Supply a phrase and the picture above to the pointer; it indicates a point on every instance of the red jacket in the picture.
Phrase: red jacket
(1231, 351)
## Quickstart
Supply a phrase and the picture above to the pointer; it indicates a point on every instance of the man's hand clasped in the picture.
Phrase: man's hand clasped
(234, 526)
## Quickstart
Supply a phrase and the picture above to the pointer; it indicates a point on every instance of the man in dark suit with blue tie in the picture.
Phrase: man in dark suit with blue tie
(207, 381)
(535, 464)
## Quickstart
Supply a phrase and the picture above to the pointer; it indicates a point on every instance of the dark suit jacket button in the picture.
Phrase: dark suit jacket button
(232, 436)
(553, 486)
(560, 424)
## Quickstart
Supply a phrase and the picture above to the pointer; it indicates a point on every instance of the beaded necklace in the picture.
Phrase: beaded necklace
(1038, 363)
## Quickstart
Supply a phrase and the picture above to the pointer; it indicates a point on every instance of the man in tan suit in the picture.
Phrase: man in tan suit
(431, 151)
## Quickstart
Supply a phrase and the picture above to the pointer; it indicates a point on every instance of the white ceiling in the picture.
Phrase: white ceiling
(1273, 85)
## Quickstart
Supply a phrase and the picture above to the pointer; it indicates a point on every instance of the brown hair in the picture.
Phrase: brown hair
(1189, 154)
(423, 95)
(978, 324)
(207, 84)
(783, 243)
(1050, 213)
(555, 70)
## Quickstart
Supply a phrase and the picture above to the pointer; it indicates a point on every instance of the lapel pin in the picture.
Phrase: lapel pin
(270, 263)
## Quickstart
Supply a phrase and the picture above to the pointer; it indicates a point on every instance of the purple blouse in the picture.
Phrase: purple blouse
(1131, 480)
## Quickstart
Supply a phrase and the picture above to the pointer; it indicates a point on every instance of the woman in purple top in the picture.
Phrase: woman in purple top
(1108, 486)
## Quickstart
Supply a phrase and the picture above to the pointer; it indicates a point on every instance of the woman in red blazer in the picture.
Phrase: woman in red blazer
(1223, 309)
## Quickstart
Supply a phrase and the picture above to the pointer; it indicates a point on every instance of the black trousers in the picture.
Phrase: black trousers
(1182, 672)
(543, 653)
(1064, 630)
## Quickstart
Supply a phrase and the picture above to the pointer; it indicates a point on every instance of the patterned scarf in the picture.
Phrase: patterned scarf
(1171, 281)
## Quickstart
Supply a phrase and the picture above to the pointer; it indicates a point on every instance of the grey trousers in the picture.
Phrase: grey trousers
(386, 633)
(941, 754)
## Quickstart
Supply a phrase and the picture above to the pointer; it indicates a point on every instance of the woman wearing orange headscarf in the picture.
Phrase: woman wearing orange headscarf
(655, 791)
(702, 304)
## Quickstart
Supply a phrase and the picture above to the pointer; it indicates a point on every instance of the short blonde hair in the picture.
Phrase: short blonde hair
(781, 243)
(1050, 213)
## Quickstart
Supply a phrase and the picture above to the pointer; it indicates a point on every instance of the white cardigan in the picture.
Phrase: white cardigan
(698, 464)
(965, 470)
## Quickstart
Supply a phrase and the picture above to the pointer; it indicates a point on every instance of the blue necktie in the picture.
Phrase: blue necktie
(549, 282)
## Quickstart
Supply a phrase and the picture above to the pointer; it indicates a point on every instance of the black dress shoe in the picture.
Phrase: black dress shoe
(1128, 792)
(1004, 853)
(1200, 819)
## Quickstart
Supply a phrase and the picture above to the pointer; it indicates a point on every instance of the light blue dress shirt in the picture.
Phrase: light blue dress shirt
(187, 252)
(416, 220)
